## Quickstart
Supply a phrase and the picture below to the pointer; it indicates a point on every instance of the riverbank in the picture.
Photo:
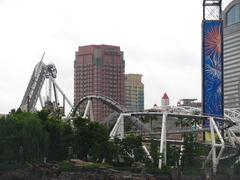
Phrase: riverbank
(47, 171)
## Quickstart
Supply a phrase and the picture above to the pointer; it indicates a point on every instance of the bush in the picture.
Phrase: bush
(65, 166)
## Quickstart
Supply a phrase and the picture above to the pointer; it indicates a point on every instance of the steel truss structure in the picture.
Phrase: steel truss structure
(41, 74)
(118, 109)
(230, 125)
(232, 141)
(212, 9)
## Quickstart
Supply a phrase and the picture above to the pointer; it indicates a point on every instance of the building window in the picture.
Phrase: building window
(233, 15)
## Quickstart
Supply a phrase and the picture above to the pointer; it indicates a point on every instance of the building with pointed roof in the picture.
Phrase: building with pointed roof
(165, 100)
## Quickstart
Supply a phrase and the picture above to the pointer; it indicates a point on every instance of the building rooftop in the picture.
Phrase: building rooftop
(165, 96)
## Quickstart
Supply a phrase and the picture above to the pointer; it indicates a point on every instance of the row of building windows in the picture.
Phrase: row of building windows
(232, 49)
(232, 71)
(228, 39)
(104, 66)
(231, 44)
(232, 66)
(231, 83)
(233, 15)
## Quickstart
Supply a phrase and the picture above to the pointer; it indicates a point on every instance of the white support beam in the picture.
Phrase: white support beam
(214, 161)
(221, 140)
(181, 153)
(165, 143)
(118, 129)
(91, 111)
(147, 152)
(55, 96)
(235, 137)
(163, 151)
(215, 157)
(209, 156)
(230, 138)
(86, 109)
(113, 133)
(121, 128)
(50, 90)
(60, 90)
(41, 100)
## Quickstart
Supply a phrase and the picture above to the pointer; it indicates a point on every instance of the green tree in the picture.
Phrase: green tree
(191, 150)
(154, 152)
(173, 154)
(22, 135)
(131, 149)
(9, 140)
(60, 135)
(90, 140)
(111, 152)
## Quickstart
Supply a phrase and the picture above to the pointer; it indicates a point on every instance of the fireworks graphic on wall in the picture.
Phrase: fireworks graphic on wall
(213, 41)
(212, 69)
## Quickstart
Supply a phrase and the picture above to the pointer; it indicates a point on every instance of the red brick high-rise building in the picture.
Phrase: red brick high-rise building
(99, 70)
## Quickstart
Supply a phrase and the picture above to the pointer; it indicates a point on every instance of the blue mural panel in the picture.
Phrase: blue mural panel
(212, 70)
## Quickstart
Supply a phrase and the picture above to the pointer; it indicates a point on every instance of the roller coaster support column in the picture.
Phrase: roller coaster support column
(215, 158)
(163, 143)
(118, 129)
(89, 109)
(41, 100)
(147, 152)
(49, 97)
(232, 136)
(60, 90)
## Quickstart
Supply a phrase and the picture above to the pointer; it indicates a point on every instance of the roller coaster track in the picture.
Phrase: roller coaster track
(105, 100)
(34, 87)
(231, 150)
(232, 116)
(230, 121)
(40, 73)
(113, 105)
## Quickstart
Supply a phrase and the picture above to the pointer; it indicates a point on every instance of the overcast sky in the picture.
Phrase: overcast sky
(160, 39)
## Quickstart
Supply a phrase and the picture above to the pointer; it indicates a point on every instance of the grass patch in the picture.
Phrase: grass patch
(93, 166)
(65, 166)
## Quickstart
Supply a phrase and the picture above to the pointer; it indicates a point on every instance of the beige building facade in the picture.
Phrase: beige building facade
(134, 92)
